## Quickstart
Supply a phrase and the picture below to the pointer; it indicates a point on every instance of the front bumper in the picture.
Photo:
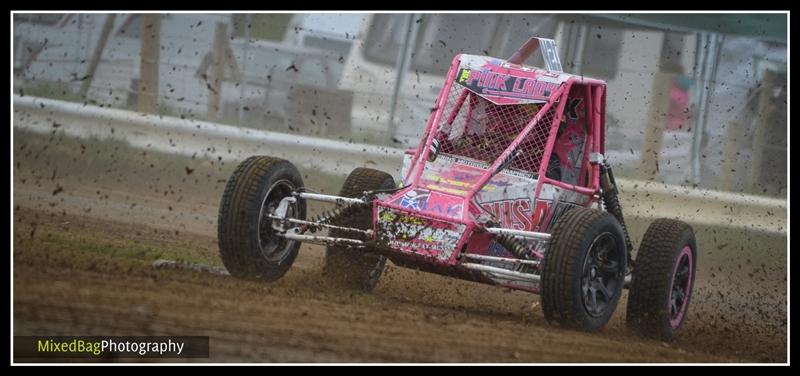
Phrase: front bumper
(419, 234)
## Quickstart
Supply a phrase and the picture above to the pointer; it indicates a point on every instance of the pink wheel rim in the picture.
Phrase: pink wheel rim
(680, 292)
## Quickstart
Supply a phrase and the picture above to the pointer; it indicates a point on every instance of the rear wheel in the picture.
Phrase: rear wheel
(357, 268)
(248, 245)
(584, 270)
(663, 279)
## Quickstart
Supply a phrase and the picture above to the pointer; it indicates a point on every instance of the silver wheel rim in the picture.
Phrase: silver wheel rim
(272, 247)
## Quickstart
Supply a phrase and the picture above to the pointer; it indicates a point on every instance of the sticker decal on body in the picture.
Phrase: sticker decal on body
(432, 202)
(419, 235)
(415, 200)
(488, 83)
(514, 213)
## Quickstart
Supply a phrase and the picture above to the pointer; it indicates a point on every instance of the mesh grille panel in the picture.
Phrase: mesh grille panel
(476, 128)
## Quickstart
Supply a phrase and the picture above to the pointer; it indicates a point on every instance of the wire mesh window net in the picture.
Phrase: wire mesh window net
(476, 128)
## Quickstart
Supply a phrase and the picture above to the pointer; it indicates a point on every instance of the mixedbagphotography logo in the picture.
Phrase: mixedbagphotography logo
(38, 347)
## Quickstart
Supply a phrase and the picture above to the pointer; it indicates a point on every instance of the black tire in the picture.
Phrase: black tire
(357, 268)
(584, 270)
(664, 274)
(247, 244)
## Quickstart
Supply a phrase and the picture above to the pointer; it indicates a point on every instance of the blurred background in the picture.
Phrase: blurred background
(693, 99)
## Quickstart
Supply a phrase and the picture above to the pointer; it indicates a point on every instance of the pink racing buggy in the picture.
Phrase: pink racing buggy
(509, 186)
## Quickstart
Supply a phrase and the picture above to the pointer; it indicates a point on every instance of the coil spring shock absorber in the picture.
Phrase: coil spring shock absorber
(514, 245)
(334, 216)
(611, 202)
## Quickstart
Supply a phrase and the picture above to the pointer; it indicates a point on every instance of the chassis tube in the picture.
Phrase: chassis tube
(330, 198)
(317, 224)
(502, 272)
(323, 240)
(521, 233)
(501, 259)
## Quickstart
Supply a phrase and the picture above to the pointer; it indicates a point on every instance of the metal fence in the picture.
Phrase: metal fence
(685, 105)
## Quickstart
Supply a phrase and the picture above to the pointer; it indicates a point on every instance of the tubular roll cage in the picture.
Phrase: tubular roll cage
(594, 89)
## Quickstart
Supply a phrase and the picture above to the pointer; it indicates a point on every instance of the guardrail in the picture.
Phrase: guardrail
(204, 139)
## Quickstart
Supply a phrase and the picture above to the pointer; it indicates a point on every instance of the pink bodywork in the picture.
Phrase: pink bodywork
(444, 196)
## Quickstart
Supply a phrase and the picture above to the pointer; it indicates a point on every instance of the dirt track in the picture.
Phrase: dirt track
(82, 265)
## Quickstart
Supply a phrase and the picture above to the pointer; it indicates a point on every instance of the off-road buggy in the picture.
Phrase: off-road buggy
(509, 186)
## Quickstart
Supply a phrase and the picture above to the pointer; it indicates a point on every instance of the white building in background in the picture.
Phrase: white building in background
(273, 52)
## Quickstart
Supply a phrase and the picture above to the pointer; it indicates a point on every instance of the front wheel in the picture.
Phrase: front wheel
(584, 270)
(249, 246)
(663, 279)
